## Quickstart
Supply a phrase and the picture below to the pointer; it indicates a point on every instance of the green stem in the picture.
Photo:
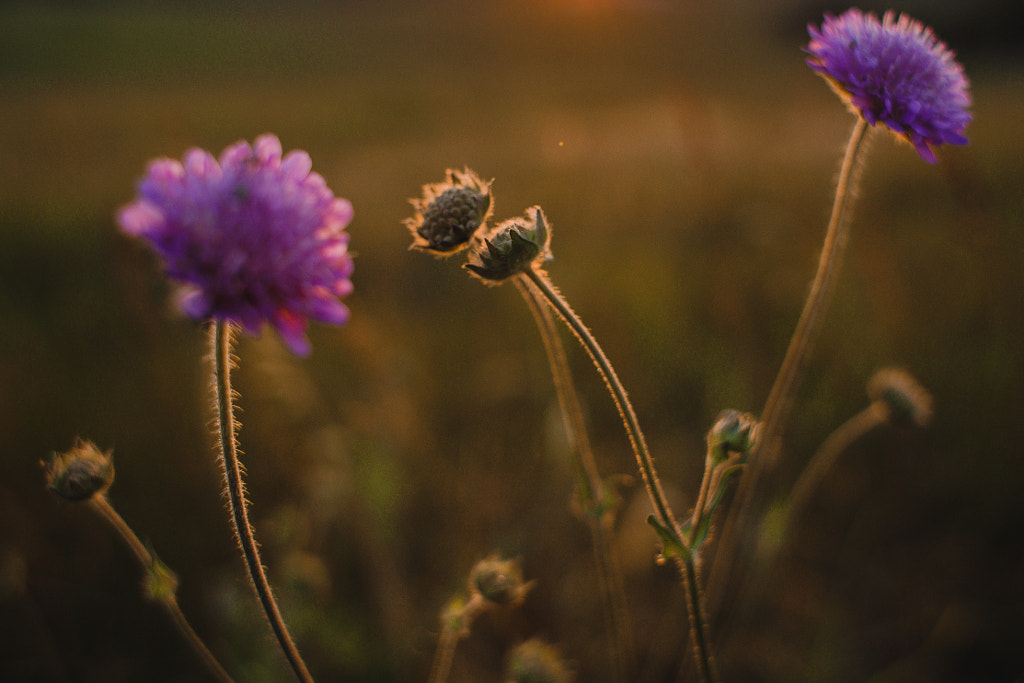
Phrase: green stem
(739, 538)
(698, 624)
(236, 498)
(593, 496)
(167, 599)
(702, 497)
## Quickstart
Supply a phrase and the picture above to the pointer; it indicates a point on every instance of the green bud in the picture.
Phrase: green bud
(80, 473)
(498, 581)
(449, 214)
(906, 402)
(733, 432)
(512, 247)
(536, 662)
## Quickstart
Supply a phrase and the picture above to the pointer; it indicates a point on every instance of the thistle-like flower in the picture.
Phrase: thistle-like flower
(894, 71)
(511, 247)
(254, 237)
(450, 213)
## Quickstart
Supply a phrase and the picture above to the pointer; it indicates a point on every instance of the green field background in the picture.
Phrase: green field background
(685, 156)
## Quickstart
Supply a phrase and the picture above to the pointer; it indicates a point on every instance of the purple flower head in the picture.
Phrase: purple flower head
(894, 71)
(254, 237)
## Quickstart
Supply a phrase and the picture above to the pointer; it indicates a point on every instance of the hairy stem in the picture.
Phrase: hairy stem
(592, 494)
(167, 599)
(739, 538)
(698, 623)
(226, 427)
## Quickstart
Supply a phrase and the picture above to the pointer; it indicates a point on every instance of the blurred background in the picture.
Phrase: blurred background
(685, 156)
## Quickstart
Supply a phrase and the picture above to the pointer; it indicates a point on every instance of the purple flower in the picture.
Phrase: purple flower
(894, 71)
(253, 238)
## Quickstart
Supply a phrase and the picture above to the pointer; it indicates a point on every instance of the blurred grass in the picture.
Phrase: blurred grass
(684, 155)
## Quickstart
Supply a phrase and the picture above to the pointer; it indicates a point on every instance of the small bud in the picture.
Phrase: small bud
(512, 247)
(536, 662)
(450, 213)
(734, 432)
(80, 473)
(905, 401)
(498, 581)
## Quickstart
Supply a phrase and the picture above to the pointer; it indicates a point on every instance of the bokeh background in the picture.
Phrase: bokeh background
(685, 156)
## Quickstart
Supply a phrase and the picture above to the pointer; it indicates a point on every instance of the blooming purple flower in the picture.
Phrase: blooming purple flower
(894, 71)
(253, 237)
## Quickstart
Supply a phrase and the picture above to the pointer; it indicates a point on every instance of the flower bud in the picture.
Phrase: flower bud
(905, 401)
(733, 431)
(80, 473)
(498, 581)
(450, 213)
(512, 247)
(536, 662)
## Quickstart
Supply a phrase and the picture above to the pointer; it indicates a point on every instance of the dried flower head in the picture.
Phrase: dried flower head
(905, 401)
(450, 213)
(498, 581)
(253, 237)
(80, 473)
(511, 247)
(894, 71)
(534, 661)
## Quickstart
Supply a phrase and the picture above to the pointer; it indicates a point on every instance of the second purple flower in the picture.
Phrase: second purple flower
(252, 237)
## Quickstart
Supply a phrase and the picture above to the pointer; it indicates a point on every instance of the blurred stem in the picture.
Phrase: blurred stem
(594, 498)
(828, 453)
(667, 520)
(227, 427)
(167, 599)
(452, 631)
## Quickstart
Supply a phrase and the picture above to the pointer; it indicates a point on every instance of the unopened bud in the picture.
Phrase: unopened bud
(80, 473)
(511, 247)
(498, 581)
(733, 432)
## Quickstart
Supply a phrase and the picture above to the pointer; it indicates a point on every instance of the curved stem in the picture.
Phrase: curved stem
(592, 493)
(167, 599)
(226, 427)
(698, 624)
(451, 634)
(636, 437)
(828, 453)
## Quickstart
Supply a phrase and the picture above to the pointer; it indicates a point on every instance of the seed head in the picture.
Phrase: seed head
(450, 213)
